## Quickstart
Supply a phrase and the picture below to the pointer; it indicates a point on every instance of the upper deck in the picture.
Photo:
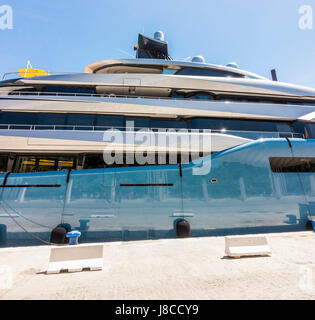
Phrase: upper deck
(158, 66)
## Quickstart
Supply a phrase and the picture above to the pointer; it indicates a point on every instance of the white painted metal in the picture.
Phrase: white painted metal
(97, 142)
(149, 106)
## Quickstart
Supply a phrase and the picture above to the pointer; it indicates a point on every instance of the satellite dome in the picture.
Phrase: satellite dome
(199, 59)
(159, 35)
(232, 65)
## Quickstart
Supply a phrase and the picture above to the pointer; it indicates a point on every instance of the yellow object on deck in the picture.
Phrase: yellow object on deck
(30, 72)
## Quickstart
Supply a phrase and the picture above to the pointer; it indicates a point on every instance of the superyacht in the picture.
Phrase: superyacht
(255, 140)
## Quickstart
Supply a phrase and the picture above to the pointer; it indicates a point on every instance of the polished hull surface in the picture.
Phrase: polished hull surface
(238, 194)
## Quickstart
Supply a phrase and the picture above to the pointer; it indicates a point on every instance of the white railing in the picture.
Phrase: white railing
(112, 95)
(17, 74)
(242, 133)
(96, 95)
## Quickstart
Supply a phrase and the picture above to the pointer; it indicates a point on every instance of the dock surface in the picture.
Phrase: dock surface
(193, 268)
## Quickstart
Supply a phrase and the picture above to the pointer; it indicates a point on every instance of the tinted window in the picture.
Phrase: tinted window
(311, 130)
(94, 161)
(299, 127)
(18, 118)
(139, 122)
(50, 121)
(305, 129)
(169, 71)
(207, 73)
(81, 121)
(161, 123)
(43, 163)
(292, 164)
(283, 127)
(3, 163)
(65, 89)
(109, 121)
(102, 122)
(200, 96)
(238, 125)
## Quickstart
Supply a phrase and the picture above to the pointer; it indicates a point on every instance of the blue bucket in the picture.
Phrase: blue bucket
(313, 224)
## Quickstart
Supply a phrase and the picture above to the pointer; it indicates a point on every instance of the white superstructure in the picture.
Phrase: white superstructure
(69, 113)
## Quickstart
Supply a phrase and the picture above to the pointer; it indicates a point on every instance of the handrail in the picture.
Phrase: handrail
(50, 72)
(97, 95)
(112, 95)
(52, 127)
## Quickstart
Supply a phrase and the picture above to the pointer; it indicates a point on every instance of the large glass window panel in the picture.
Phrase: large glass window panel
(300, 128)
(138, 122)
(296, 164)
(51, 118)
(311, 130)
(43, 163)
(94, 161)
(161, 123)
(106, 122)
(207, 73)
(50, 121)
(241, 125)
(21, 120)
(3, 163)
(200, 96)
(283, 127)
(65, 89)
(203, 123)
(81, 121)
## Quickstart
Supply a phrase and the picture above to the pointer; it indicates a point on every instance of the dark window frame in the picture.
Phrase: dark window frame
(292, 164)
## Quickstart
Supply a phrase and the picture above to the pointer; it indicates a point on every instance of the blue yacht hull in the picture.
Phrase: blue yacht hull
(240, 193)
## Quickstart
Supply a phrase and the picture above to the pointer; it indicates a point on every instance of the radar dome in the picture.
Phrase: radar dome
(199, 59)
(232, 65)
(159, 35)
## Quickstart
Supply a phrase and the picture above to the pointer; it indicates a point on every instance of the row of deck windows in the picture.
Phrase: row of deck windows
(39, 163)
(63, 121)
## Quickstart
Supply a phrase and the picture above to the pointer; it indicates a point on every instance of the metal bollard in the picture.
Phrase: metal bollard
(3, 234)
(73, 237)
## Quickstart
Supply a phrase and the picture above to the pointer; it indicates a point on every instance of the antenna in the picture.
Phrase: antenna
(274, 75)
(28, 66)
(125, 52)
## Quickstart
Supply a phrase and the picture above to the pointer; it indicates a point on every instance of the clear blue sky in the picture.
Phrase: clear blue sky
(66, 35)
